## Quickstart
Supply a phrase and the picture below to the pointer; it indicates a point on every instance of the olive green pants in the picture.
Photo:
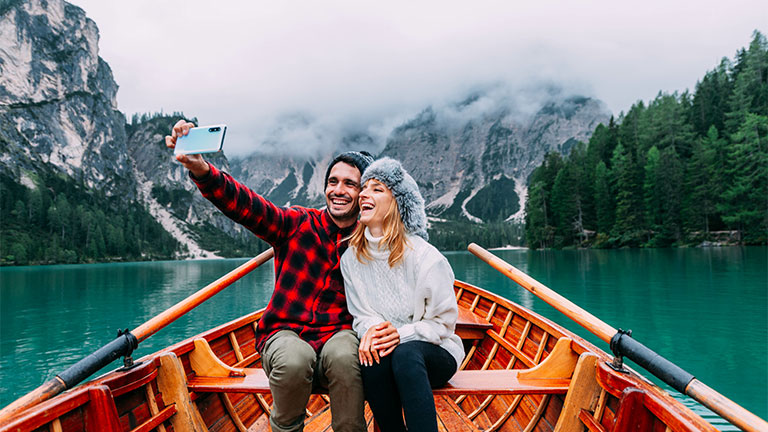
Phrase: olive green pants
(294, 368)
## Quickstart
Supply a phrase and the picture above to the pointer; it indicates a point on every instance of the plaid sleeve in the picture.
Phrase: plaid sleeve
(269, 222)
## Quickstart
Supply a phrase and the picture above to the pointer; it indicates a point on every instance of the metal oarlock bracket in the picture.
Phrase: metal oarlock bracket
(128, 362)
(618, 359)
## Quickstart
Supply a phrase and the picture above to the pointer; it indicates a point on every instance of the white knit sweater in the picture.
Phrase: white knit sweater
(416, 296)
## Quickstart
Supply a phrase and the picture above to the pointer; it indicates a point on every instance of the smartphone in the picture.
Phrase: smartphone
(203, 139)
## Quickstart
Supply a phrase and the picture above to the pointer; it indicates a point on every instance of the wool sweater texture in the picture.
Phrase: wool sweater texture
(416, 295)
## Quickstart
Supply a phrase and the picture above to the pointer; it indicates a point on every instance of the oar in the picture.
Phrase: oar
(623, 345)
(127, 341)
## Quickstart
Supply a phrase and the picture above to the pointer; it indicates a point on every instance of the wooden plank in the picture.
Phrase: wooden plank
(470, 326)
(537, 415)
(172, 383)
(251, 359)
(135, 384)
(601, 403)
(451, 417)
(205, 363)
(153, 405)
(156, 421)
(55, 426)
(464, 382)
(632, 414)
(254, 381)
(509, 347)
(560, 363)
(232, 413)
(588, 421)
(235, 346)
(583, 394)
(540, 350)
(101, 413)
(478, 382)
(48, 411)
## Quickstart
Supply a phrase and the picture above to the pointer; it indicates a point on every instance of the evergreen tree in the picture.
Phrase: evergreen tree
(566, 207)
(651, 194)
(627, 226)
(745, 200)
(710, 101)
(669, 180)
(703, 182)
(603, 199)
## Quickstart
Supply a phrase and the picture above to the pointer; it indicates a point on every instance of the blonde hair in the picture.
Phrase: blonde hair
(394, 236)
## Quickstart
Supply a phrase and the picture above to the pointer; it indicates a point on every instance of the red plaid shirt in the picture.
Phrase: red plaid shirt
(309, 289)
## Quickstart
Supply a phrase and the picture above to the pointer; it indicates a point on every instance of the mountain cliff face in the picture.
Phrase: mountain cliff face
(58, 113)
(58, 98)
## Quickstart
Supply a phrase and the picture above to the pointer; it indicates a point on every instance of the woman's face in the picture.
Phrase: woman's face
(375, 200)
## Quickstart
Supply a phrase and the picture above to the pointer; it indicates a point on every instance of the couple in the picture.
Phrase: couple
(389, 288)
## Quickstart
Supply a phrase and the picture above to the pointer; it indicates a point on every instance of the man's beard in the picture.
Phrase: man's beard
(348, 215)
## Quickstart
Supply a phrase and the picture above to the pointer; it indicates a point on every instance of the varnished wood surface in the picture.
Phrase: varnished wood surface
(516, 377)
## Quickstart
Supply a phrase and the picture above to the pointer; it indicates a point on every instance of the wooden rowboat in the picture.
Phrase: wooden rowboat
(522, 372)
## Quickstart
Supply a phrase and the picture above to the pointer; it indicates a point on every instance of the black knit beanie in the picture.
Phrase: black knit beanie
(360, 160)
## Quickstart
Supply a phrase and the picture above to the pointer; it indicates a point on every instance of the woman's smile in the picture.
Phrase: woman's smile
(375, 201)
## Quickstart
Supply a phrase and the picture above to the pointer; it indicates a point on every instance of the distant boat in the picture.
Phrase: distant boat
(522, 372)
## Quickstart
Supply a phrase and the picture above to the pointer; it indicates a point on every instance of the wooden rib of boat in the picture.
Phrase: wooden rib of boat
(522, 372)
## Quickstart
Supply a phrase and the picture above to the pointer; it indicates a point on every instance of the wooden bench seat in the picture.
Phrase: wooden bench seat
(507, 382)
(470, 326)
(552, 376)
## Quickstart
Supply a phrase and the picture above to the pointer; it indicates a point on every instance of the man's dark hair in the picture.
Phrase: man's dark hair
(360, 160)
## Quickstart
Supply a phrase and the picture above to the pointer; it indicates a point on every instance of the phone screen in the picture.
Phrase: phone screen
(203, 139)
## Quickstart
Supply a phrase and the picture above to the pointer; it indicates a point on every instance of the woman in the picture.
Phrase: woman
(400, 292)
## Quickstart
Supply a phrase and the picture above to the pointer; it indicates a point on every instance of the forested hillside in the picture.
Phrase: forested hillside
(683, 169)
(61, 221)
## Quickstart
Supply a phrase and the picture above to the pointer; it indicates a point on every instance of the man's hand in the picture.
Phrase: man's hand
(193, 162)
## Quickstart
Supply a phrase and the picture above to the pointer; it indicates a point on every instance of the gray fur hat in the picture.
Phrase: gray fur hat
(406, 192)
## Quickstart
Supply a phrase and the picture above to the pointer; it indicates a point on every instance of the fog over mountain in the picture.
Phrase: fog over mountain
(59, 113)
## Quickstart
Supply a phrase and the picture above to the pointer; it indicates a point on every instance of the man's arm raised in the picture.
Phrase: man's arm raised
(269, 222)
(193, 162)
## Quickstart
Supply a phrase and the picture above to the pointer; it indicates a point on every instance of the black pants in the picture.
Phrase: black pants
(402, 383)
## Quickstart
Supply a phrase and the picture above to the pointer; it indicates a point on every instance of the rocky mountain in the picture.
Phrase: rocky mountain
(59, 113)
(471, 159)
(58, 101)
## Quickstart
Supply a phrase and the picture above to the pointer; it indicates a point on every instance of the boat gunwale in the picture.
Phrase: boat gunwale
(578, 344)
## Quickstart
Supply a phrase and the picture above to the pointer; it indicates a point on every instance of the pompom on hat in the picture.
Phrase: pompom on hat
(410, 203)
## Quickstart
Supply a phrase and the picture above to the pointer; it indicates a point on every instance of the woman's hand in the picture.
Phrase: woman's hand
(193, 162)
(364, 350)
(379, 341)
(386, 339)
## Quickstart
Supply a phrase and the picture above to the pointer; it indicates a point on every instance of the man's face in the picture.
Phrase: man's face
(341, 194)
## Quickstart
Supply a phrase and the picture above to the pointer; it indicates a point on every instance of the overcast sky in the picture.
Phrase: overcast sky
(368, 64)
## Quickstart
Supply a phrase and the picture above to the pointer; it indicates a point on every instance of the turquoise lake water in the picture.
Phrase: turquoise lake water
(704, 309)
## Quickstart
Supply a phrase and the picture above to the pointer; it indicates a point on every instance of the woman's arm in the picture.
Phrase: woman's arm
(434, 278)
(357, 301)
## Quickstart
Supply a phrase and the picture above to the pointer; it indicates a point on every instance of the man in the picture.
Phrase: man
(304, 337)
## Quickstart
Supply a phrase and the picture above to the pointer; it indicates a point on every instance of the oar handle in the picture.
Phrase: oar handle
(174, 312)
(659, 366)
(725, 408)
(572, 311)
